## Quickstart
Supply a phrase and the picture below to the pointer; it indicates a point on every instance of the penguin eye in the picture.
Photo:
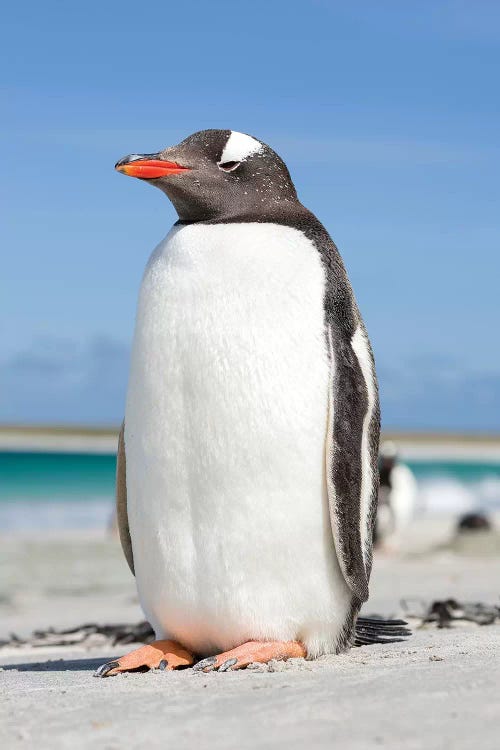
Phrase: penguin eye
(229, 166)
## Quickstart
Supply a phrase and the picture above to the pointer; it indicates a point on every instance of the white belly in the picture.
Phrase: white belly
(225, 440)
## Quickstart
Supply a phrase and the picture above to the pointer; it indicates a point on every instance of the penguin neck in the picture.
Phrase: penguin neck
(287, 211)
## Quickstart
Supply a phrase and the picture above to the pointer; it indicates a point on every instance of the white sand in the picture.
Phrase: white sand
(440, 689)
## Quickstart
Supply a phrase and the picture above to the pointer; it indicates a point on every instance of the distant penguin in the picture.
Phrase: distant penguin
(397, 497)
(247, 472)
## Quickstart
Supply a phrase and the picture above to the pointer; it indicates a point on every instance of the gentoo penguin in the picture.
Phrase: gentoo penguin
(397, 498)
(247, 466)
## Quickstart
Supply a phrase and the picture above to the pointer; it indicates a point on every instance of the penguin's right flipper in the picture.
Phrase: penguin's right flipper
(371, 630)
(121, 500)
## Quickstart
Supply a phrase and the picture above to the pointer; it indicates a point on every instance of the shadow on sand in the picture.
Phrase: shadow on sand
(58, 665)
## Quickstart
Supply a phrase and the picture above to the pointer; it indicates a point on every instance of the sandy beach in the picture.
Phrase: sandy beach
(279, 358)
(439, 689)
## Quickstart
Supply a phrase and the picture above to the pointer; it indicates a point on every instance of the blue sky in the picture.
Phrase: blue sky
(387, 115)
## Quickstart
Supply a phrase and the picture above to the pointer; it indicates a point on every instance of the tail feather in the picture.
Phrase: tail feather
(376, 630)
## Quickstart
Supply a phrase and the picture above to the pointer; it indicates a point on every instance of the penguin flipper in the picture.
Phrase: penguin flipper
(121, 500)
(351, 452)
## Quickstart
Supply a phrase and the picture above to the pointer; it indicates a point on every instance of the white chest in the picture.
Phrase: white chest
(225, 431)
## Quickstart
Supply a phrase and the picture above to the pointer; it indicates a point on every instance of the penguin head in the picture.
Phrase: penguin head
(217, 175)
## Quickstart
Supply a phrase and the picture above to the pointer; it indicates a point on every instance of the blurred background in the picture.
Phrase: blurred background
(388, 117)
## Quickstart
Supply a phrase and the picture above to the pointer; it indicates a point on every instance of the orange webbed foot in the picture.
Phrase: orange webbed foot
(252, 651)
(157, 655)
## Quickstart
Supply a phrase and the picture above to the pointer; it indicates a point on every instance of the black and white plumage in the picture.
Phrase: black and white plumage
(247, 471)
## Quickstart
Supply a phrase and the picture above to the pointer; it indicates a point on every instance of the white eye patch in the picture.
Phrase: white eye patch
(239, 147)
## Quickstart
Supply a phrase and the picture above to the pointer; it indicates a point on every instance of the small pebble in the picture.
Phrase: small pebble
(255, 666)
(276, 665)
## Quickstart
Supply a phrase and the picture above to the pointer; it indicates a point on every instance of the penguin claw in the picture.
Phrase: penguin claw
(210, 665)
(104, 669)
(205, 664)
(227, 665)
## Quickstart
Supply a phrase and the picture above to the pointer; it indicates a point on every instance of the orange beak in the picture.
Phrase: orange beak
(149, 169)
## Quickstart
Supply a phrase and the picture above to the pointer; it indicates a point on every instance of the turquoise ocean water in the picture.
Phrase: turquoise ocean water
(76, 490)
